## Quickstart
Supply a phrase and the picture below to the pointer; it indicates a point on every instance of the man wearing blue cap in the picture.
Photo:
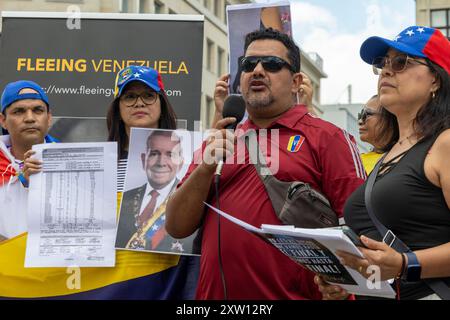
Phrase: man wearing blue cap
(26, 116)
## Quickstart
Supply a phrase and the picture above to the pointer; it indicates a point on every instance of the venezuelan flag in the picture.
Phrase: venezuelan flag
(137, 275)
(295, 143)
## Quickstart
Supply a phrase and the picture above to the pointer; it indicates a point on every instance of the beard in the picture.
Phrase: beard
(259, 100)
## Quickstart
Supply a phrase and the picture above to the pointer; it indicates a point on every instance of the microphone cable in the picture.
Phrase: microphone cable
(219, 247)
(234, 106)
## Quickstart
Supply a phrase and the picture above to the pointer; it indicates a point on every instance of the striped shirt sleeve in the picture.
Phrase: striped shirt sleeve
(342, 169)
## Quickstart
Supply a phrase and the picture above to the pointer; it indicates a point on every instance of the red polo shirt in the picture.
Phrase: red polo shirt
(328, 160)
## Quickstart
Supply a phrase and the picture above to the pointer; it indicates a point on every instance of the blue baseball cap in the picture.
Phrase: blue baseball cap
(146, 75)
(11, 93)
(416, 41)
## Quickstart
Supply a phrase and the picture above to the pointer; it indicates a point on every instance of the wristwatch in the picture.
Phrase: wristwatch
(413, 268)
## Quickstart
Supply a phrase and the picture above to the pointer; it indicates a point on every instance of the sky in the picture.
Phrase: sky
(335, 29)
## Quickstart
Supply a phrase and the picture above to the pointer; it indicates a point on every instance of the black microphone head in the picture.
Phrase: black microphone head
(234, 106)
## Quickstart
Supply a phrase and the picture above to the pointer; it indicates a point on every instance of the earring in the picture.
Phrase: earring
(433, 95)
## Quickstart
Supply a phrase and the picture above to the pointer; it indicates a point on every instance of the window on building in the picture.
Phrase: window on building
(440, 20)
(209, 54)
(217, 8)
(125, 6)
(144, 6)
(159, 7)
(209, 110)
(225, 4)
(207, 4)
(220, 61)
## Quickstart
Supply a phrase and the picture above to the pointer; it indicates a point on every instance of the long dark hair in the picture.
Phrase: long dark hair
(432, 118)
(116, 126)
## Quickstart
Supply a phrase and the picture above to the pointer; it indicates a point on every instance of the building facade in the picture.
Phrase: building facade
(312, 65)
(434, 13)
(215, 54)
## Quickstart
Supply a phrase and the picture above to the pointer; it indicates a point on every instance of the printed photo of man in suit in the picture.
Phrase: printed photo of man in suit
(142, 215)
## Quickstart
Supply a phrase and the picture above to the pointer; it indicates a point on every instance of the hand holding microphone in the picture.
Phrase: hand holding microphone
(221, 142)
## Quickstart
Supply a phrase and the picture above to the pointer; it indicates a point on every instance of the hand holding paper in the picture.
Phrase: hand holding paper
(316, 250)
(376, 254)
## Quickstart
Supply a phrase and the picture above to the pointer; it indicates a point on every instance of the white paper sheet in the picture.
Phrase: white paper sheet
(72, 206)
(328, 240)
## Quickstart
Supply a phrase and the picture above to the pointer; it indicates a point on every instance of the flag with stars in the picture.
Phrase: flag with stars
(416, 41)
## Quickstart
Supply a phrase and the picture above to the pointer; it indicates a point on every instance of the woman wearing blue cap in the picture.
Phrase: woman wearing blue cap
(140, 101)
(402, 212)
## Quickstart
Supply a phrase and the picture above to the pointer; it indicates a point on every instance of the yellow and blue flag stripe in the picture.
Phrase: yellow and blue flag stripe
(137, 275)
(295, 143)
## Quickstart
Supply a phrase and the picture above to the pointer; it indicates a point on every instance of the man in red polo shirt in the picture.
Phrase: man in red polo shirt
(310, 150)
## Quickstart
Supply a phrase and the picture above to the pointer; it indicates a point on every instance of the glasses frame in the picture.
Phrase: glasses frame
(366, 113)
(250, 60)
(121, 98)
(387, 60)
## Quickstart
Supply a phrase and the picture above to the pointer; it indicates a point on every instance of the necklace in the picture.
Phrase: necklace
(400, 142)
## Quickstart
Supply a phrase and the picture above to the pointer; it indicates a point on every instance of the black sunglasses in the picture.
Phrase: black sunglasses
(269, 63)
(397, 63)
(364, 114)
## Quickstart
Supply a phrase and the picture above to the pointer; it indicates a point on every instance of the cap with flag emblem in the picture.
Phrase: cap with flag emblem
(148, 76)
(417, 41)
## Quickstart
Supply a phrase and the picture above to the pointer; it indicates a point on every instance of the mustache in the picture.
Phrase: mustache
(259, 79)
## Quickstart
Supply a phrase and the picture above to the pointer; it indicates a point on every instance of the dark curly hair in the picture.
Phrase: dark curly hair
(272, 34)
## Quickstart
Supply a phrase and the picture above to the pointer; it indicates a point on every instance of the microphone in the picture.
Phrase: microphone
(234, 106)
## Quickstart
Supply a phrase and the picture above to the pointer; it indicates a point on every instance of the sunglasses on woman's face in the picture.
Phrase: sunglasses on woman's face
(397, 63)
(269, 63)
(364, 114)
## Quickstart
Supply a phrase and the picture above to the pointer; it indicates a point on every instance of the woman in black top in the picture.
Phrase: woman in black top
(411, 193)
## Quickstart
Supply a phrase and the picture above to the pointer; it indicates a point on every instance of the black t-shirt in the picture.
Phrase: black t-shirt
(408, 204)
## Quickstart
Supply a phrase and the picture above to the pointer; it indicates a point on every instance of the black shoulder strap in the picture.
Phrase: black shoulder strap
(388, 236)
(438, 286)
